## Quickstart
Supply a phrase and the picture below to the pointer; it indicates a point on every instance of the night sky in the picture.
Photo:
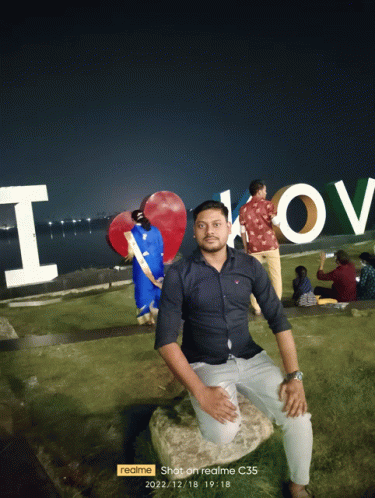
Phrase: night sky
(106, 107)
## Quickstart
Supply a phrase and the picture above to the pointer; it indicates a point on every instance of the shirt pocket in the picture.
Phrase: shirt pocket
(238, 290)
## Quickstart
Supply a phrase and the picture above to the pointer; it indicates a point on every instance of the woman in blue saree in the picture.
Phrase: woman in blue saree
(146, 244)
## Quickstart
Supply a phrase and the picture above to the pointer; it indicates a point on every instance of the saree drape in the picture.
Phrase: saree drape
(147, 295)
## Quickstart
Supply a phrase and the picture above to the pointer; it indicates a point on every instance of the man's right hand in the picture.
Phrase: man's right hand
(215, 401)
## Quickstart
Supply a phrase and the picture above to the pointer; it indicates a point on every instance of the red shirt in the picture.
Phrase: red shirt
(256, 216)
(344, 285)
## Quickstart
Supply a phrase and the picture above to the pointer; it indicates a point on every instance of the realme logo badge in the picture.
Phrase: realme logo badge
(136, 470)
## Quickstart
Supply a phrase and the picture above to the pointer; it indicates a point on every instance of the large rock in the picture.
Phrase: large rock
(6, 330)
(178, 442)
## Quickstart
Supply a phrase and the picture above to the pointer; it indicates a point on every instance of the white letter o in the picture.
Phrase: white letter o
(316, 212)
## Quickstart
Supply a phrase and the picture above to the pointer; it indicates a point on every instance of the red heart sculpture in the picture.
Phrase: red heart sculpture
(115, 236)
(166, 211)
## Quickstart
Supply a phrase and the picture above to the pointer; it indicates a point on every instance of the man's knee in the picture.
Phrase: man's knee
(302, 423)
(220, 433)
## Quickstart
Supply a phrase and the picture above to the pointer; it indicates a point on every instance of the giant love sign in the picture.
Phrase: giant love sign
(167, 211)
(351, 216)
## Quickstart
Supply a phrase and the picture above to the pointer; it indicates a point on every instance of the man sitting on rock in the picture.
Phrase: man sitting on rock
(210, 291)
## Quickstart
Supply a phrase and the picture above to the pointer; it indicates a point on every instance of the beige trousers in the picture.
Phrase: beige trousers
(274, 268)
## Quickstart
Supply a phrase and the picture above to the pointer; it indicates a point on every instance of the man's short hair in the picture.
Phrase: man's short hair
(342, 257)
(211, 205)
(255, 186)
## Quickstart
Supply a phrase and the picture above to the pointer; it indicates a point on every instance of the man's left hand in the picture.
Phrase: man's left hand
(293, 393)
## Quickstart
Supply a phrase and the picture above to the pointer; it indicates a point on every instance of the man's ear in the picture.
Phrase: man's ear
(230, 226)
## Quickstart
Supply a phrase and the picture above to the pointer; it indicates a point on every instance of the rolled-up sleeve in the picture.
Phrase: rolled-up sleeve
(326, 276)
(268, 301)
(170, 309)
(271, 208)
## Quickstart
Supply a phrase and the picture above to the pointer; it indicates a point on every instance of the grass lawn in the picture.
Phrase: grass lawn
(75, 312)
(86, 391)
(116, 307)
(311, 261)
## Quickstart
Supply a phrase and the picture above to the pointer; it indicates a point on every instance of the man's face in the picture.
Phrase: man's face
(211, 230)
(263, 192)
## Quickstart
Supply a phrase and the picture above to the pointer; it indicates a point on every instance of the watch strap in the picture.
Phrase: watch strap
(294, 375)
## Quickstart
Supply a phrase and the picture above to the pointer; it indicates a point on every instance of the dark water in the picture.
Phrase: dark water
(71, 251)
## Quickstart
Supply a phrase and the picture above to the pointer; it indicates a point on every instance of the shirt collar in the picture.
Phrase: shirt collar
(255, 199)
(198, 256)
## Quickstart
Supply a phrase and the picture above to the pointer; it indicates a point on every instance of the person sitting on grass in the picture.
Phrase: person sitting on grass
(303, 292)
(366, 284)
(344, 287)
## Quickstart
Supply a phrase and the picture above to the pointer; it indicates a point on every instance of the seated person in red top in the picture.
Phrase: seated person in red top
(344, 287)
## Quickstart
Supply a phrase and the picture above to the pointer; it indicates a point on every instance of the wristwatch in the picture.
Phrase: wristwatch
(294, 375)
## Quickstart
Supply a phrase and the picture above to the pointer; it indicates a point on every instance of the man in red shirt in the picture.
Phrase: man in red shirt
(344, 287)
(256, 219)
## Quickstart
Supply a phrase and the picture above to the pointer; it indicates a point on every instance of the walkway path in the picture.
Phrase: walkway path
(35, 341)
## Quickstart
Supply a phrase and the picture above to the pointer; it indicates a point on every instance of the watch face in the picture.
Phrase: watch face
(295, 375)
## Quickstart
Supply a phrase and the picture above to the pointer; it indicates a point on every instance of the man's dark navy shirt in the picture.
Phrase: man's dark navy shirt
(214, 306)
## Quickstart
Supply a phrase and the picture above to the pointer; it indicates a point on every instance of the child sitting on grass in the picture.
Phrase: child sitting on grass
(303, 292)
